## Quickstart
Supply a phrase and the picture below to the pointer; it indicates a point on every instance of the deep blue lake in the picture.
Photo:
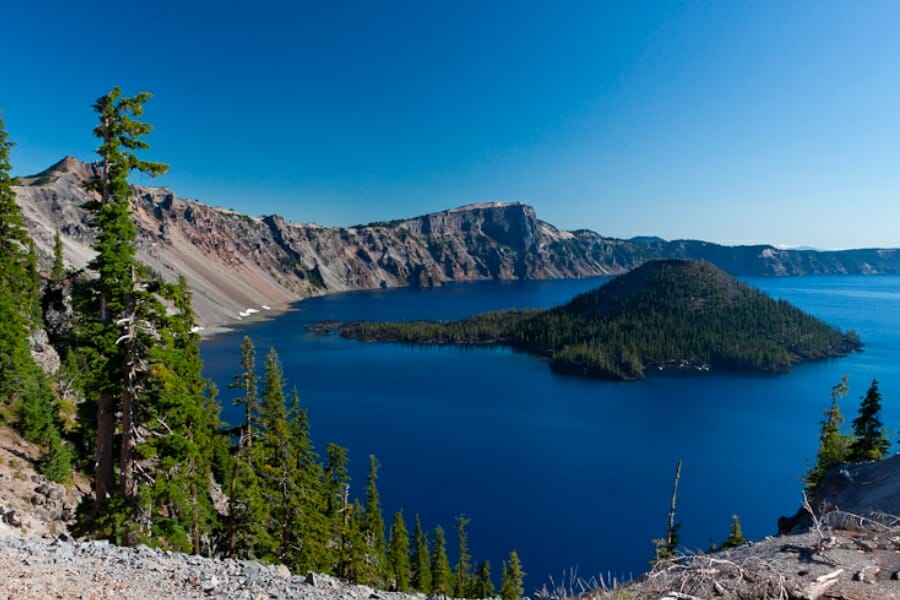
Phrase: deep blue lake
(572, 473)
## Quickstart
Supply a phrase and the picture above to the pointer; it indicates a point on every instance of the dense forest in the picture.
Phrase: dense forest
(129, 407)
(664, 314)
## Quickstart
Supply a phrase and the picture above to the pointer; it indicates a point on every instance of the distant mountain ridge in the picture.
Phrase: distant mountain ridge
(237, 263)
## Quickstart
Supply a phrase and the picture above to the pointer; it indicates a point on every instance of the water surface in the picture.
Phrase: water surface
(570, 472)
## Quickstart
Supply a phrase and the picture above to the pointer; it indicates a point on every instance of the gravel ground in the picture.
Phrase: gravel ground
(58, 567)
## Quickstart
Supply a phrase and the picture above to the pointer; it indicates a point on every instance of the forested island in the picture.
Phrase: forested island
(665, 314)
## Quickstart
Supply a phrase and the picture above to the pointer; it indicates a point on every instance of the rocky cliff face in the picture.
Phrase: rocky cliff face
(235, 263)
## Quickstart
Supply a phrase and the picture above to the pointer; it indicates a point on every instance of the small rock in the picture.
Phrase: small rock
(37, 500)
(64, 537)
(35, 478)
(209, 585)
(867, 574)
(895, 575)
(283, 571)
(311, 579)
(56, 493)
(12, 518)
(42, 489)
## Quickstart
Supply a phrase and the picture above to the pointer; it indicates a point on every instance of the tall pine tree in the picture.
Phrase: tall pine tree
(421, 559)
(441, 576)
(310, 536)
(462, 576)
(118, 313)
(373, 528)
(247, 531)
(834, 446)
(871, 441)
(184, 421)
(398, 554)
(23, 385)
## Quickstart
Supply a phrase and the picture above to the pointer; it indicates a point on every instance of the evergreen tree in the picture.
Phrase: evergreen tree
(735, 535)
(462, 576)
(246, 382)
(310, 536)
(421, 559)
(184, 418)
(58, 271)
(871, 441)
(342, 516)
(118, 311)
(248, 531)
(35, 312)
(14, 239)
(398, 553)
(484, 586)
(834, 446)
(512, 586)
(441, 577)
(23, 384)
(373, 528)
(273, 459)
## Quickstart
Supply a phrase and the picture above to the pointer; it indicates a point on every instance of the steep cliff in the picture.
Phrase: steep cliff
(236, 262)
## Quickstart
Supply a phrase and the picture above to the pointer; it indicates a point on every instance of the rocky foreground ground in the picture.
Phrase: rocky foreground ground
(59, 567)
(854, 561)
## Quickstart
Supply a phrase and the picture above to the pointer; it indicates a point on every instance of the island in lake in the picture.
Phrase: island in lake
(665, 314)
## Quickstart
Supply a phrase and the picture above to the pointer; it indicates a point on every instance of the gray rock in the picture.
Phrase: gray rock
(310, 579)
(12, 519)
(209, 585)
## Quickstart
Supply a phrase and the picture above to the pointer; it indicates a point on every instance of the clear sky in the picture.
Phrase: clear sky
(734, 122)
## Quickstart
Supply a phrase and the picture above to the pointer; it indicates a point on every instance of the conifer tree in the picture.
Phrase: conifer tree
(36, 316)
(834, 446)
(512, 586)
(248, 533)
(441, 576)
(871, 441)
(58, 271)
(398, 553)
(246, 383)
(118, 312)
(272, 456)
(484, 586)
(421, 559)
(22, 382)
(373, 528)
(310, 536)
(343, 517)
(735, 535)
(185, 421)
(462, 575)
(15, 356)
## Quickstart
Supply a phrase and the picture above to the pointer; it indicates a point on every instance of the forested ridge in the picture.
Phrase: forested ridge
(668, 313)
(131, 409)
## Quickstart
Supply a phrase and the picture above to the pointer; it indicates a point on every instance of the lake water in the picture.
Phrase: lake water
(572, 473)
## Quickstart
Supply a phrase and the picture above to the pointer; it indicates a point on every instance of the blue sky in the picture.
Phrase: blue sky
(735, 122)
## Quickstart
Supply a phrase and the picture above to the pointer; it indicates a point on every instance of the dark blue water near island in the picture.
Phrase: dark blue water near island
(570, 472)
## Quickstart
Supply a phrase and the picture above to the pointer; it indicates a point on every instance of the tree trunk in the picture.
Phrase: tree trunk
(104, 481)
(670, 530)
(126, 456)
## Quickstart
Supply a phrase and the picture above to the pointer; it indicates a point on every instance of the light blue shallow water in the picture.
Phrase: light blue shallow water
(570, 472)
